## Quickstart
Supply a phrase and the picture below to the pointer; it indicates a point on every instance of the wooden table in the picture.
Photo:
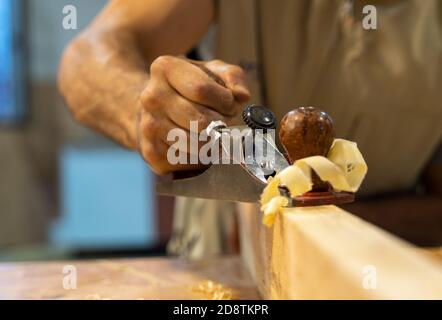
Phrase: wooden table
(153, 278)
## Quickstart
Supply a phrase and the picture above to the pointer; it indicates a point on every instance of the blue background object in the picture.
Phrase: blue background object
(12, 62)
(107, 200)
(7, 99)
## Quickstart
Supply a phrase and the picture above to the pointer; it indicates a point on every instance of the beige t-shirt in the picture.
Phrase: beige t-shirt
(382, 87)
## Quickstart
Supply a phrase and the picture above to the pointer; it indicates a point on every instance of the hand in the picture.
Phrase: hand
(178, 92)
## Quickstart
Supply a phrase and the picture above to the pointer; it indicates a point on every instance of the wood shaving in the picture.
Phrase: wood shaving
(344, 168)
(213, 291)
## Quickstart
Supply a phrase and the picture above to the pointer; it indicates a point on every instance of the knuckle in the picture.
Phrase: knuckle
(150, 98)
(145, 97)
(237, 70)
(161, 63)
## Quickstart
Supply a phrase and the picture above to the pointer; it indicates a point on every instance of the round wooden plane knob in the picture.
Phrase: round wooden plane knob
(306, 132)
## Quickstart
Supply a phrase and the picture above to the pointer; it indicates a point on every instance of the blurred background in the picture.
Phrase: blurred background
(65, 192)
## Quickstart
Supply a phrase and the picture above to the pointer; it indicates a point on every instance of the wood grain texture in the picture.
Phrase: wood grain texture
(153, 279)
(323, 252)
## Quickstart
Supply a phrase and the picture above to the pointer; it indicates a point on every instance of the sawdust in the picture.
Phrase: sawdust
(213, 291)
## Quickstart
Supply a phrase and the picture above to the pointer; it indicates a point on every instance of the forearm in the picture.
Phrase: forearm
(104, 71)
(101, 77)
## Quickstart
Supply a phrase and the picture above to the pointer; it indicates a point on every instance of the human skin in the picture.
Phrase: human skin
(124, 76)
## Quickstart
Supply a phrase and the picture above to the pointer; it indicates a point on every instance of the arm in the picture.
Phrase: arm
(104, 74)
(104, 69)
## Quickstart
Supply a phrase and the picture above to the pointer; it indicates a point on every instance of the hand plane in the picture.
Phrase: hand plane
(248, 156)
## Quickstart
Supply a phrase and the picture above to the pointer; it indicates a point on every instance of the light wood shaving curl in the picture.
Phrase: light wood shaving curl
(213, 291)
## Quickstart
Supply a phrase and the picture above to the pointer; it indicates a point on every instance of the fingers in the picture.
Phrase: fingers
(183, 112)
(228, 75)
(153, 154)
(210, 73)
(178, 137)
(178, 93)
(162, 100)
(233, 76)
(165, 146)
(194, 84)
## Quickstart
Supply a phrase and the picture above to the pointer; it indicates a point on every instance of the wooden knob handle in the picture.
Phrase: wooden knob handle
(306, 132)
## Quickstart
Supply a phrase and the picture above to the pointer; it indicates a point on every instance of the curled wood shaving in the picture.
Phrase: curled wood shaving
(213, 291)
(344, 168)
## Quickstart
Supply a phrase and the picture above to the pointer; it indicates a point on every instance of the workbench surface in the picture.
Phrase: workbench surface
(150, 278)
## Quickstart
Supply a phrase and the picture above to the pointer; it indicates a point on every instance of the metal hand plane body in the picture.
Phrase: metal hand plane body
(248, 156)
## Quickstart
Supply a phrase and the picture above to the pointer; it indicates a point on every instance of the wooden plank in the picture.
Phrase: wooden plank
(434, 253)
(155, 278)
(327, 253)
